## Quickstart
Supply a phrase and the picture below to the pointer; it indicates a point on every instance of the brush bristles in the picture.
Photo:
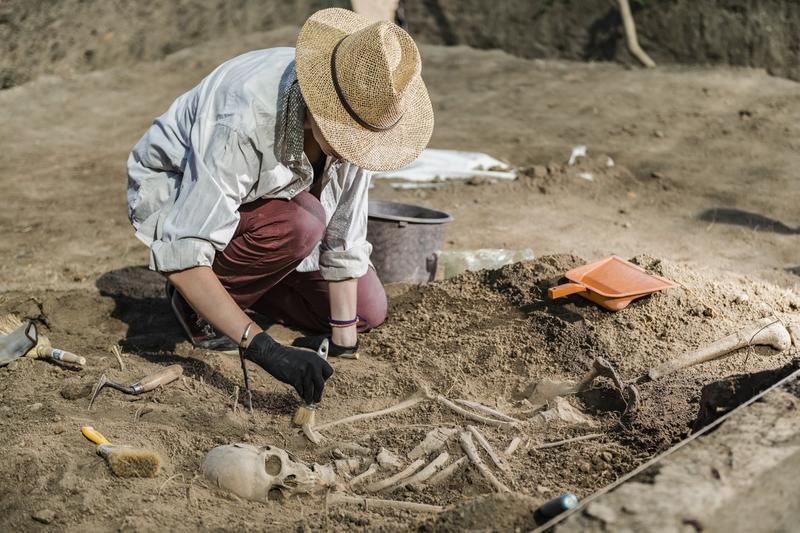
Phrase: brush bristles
(9, 323)
(133, 462)
(304, 415)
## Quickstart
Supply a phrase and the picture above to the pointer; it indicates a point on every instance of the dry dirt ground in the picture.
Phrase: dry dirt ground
(703, 192)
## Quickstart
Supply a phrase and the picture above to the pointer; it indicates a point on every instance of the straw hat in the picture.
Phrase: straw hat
(361, 80)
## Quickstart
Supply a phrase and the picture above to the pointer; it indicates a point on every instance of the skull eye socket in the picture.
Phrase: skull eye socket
(273, 465)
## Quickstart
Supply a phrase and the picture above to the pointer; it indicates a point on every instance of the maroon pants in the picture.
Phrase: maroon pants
(258, 266)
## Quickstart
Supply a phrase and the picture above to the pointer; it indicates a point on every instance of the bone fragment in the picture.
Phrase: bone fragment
(118, 354)
(364, 475)
(346, 467)
(563, 411)
(487, 410)
(388, 459)
(326, 474)
(470, 415)
(794, 332)
(469, 448)
(512, 446)
(425, 473)
(311, 434)
(766, 332)
(566, 441)
(337, 498)
(416, 398)
(433, 441)
(391, 480)
(496, 459)
(235, 397)
(446, 472)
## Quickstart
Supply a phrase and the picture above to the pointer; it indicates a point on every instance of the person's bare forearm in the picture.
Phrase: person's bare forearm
(344, 297)
(203, 290)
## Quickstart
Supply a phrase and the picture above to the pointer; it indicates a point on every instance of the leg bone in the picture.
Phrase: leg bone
(766, 332)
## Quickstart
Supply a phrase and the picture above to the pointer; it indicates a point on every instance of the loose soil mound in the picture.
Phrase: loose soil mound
(485, 336)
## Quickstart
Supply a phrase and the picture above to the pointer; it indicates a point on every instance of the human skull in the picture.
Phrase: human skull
(251, 472)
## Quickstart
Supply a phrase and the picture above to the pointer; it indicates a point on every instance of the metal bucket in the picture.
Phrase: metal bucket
(405, 239)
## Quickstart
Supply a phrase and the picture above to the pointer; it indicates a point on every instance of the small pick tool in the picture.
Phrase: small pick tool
(146, 384)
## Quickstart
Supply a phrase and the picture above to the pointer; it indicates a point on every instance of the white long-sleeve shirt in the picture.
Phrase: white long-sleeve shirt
(214, 150)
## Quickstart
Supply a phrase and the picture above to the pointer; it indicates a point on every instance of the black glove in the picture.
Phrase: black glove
(303, 370)
(334, 350)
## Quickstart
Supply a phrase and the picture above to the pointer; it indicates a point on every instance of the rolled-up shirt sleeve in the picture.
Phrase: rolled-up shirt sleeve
(218, 175)
(344, 251)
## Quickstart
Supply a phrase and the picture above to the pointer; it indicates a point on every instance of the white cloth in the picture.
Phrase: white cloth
(214, 150)
(435, 164)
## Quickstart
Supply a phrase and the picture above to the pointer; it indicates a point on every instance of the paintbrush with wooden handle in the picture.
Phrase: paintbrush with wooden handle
(306, 413)
(43, 348)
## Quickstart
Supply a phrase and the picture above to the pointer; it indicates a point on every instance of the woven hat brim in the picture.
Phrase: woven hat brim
(371, 150)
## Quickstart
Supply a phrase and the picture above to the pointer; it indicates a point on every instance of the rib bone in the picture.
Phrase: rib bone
(447, 472)
(488, 410)
(425, 473)
(470, 415)
(469, 448)
(766, 332)
(496, 459)
(391, 480)
(364, 475)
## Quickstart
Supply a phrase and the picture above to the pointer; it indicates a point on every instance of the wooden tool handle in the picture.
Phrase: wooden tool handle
(559, 291)
(93, 435)
(162, 377)
(60, 355)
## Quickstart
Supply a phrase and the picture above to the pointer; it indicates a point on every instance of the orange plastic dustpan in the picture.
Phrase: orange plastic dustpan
(611, 282)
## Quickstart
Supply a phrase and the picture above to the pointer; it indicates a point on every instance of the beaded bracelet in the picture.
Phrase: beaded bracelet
(343, 323)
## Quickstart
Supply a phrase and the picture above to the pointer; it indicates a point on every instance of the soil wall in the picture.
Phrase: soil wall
(59, 37)
(756, 33)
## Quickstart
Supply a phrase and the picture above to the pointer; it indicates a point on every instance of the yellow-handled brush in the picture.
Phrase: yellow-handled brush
(124, 461)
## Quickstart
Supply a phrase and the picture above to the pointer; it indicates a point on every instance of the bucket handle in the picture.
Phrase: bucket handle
(559, 291)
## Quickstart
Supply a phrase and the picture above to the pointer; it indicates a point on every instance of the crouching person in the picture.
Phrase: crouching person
(251, 190)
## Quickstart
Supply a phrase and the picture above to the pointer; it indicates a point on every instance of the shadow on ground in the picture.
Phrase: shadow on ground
(722, 396)
(153, 333)
(140, 302)
(754, 221)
